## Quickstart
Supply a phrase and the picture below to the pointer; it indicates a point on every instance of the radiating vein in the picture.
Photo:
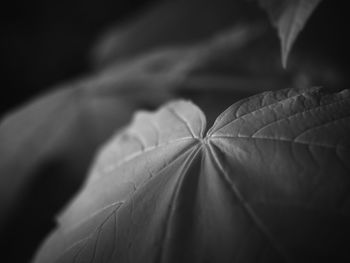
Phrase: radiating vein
(247, 208)
(100, 226)
(321, 125)
(299, 113)
(183, 120)
(85, 219)
(134, 155)
(260, 109)
(171, 209)
(88, 237)
(278, 140)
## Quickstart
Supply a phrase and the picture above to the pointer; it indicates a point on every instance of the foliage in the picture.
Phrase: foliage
(289, 17)
(164, 190)
(267, 182)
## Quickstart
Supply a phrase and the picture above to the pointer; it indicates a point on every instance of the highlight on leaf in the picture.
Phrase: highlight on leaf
(268, 182)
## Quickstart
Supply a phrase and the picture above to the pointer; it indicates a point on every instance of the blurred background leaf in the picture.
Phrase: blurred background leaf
(289, 17)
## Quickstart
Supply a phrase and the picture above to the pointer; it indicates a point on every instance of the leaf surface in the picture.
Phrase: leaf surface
(289, 17)
(269, 182)
(47, 145)
(48, 130)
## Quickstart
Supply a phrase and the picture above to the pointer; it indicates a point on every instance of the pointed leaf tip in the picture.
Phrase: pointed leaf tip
(289, 17)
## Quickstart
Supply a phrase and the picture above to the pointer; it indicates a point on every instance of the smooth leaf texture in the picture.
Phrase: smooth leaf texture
(46, 146)
(50, 129)
(289, 17)
(269, 182)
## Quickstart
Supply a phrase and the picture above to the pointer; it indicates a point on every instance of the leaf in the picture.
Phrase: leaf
(289, 17)
(168, 24)
(49, 128)
(48, 125)
(269, 182)
(47, 145)
(46, 148)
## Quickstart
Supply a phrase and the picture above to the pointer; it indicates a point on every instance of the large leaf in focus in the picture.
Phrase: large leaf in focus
(289, 17)
(46, 148)
(47, 145)
(68, 124)
(269, 182)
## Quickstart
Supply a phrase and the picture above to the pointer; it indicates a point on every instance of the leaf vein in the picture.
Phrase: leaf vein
(247, 208)
(183, 120)
(134, 155)
(280, 140)
(319, 126)
(174, 197)
(262, 108)
(299, 113)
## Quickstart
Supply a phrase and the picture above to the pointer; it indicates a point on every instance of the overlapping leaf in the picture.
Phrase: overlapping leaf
(269, 182)
(67, 125)
(47, 145)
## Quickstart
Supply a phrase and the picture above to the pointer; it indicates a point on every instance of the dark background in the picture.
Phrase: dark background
(45, 42)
